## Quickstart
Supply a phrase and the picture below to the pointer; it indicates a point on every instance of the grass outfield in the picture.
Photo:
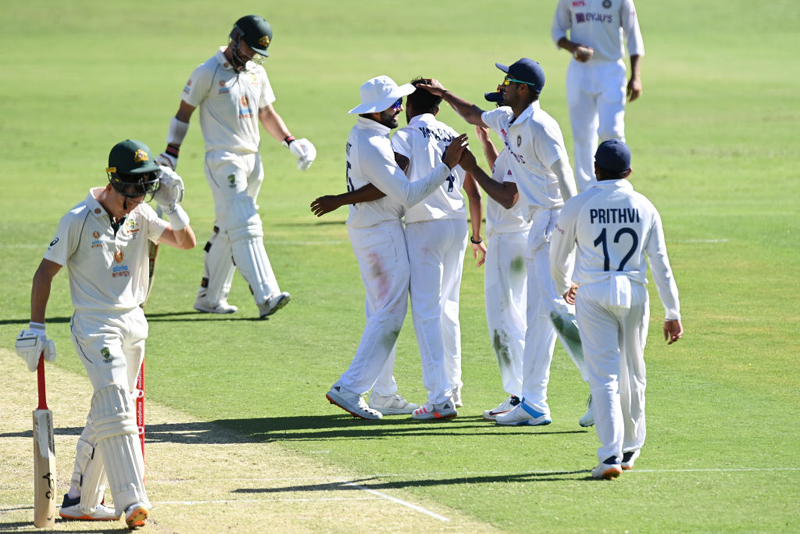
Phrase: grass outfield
(714, 140)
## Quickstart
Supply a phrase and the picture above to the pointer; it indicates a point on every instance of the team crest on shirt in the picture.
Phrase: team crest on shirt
(223, 89)
(133, 226)
(519, 141)
(232, 180)
(606, 3)
(106, 354)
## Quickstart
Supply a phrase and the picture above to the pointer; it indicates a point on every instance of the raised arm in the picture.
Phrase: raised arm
(467, 110)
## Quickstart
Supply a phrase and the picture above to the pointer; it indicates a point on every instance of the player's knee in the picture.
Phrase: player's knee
(113, 413)
(242, 219)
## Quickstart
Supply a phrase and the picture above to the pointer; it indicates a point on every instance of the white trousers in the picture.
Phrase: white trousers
(436, 257)
(540, 335)
(111, 347)
(596, 101)
(235, 181)
(614, 335)
(383, 262)
(505, 287)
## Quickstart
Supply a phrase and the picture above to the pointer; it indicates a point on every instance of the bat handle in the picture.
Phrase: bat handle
(40, 380)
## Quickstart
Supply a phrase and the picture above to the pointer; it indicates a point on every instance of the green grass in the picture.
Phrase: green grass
(715, 148)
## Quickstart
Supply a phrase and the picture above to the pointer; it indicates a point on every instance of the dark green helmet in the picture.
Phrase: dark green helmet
(131, 169)
(253, 30)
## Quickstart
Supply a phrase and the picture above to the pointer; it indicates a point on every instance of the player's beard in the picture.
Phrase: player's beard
(388, 117)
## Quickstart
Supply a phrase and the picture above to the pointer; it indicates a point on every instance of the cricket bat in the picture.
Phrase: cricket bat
(44, 459)
(152, 256)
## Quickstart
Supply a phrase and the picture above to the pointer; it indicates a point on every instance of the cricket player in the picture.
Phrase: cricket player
(234, 95)
(377, 235)
(593, 32)
(103, 242)
(505, 277)
(541, 176)
(604, 234)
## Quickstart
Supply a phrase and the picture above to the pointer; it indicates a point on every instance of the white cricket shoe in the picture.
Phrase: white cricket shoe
(222, 307)
(522, 414)
(504, 407)
(273, 304)
(71, 509)
(588, 417)
(136, 515)
(609, 469)
(391, 404)
(445, 410)
(352, 403)
(629, 458)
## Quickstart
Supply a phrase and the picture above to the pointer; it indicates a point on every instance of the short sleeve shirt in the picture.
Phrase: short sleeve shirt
(229, 102)
(534, 143)
(108, 271)
(423, 142)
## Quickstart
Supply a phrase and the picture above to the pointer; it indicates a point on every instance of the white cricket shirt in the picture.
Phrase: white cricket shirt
(534, 143)
(370, 159)
(229, 102)
(500, 220)
(107, 271)
(614, 227)
(601, 25)
(423, 142)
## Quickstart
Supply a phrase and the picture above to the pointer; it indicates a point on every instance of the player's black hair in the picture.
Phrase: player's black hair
(421, 100)
(605, 174)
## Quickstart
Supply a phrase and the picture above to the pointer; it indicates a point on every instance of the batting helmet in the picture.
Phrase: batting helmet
(253, 30)
(131, 169)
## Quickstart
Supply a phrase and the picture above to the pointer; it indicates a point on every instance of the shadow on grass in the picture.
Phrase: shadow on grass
(313, 428)
(379, 483)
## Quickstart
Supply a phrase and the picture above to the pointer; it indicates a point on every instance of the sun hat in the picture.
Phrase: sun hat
(379, 93)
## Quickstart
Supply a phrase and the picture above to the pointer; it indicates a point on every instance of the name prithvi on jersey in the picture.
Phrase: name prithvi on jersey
(614, 215)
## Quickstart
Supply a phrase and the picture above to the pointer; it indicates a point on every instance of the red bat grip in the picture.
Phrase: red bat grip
(40, 377)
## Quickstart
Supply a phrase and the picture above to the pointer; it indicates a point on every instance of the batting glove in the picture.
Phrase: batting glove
(303, 150)
(168, 158)
(32, 342)
(170, 190)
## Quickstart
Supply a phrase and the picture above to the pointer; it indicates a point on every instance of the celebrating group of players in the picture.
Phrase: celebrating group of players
(409, 230)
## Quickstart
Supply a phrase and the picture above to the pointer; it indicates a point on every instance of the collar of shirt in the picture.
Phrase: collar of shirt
(369, 124)
(223, 61)
(423, 117)
(621, 183)
(529, 111)
(94, 204)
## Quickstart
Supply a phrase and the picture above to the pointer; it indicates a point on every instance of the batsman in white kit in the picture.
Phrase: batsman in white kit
(234, 95)
(377, 234)
(597, 260)
(593, 32)
(103, 242)
(542, 178)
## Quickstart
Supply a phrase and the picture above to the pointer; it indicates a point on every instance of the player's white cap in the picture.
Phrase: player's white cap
(380, 93)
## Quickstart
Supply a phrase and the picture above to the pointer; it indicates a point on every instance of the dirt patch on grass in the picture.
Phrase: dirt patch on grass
(200, 477)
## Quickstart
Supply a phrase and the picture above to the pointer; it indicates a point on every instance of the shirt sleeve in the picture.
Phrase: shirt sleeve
(66, 240)
(380, 167)
(549, 146)
(630, 28)
(267, 95)
(562, 246)
(562, 21)
(494, 118)
(155, 224)
(401, 143)
(662, 271)
(197, 87)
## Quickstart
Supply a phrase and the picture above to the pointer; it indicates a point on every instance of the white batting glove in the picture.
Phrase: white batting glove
(170, 190)
(167, 160)
(31, 343)
(304, 151)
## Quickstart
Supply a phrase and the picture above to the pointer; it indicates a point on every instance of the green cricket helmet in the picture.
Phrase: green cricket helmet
(132, 172)
(253, 30)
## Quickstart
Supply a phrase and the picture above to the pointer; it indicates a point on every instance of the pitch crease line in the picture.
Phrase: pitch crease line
(398, 501)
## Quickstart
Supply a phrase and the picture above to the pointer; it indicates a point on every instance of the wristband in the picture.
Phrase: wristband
(177, 131)
(478, 242)
(288, 140)
(173, 151)
(178, 217)
(36, 327)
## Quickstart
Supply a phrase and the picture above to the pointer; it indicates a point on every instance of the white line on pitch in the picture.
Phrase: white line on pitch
(398, 501)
